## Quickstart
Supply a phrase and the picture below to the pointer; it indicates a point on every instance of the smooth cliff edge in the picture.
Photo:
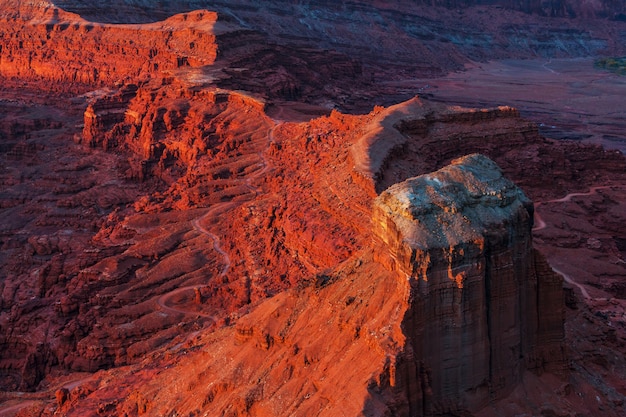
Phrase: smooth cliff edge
(388, 133)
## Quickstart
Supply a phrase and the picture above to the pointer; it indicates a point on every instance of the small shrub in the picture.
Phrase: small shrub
(616, 65)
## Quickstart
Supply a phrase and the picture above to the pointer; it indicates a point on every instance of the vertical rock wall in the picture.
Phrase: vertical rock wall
(462, 238)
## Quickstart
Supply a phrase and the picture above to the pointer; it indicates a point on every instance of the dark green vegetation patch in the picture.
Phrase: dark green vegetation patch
(617, 65)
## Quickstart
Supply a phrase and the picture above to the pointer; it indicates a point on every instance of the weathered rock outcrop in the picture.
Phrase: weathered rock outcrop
(65, 50)
(418, 136)
(457, 334)
(235, 209)
(289, 51)
(40, 47)
(461, 237)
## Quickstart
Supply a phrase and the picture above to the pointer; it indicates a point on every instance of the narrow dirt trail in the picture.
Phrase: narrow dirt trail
(197, 225)
(164, 301)
(569, 279)
(545, 66)
(541, 224)
(568, 197)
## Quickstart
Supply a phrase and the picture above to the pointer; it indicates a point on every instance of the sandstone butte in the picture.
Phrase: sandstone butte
(168, 248)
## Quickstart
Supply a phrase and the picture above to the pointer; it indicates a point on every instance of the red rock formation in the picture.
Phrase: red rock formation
(63, 49)
(419, 136)
(283, 211)
(461, 236)
(372, 315)
(186, 240)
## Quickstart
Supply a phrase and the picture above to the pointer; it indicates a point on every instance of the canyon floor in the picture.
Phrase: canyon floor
(567, 98)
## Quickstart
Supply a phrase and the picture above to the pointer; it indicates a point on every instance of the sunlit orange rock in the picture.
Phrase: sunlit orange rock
(63, 50)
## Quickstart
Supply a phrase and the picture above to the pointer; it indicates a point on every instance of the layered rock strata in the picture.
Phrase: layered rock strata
(61, 52)
(70, 52)
(450, 338)
(419, 136)
(462, 238)
(237, 277)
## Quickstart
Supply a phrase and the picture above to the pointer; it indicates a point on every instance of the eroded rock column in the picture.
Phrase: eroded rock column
(462, 238)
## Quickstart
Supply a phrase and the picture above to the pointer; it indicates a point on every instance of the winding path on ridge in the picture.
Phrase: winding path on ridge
(164, 301)
(541, 224)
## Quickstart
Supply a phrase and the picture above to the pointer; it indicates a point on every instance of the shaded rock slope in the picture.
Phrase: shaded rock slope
(410, 351)
(172, 289)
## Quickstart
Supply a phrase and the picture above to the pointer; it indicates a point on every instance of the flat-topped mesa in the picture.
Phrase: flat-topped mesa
(419, 136)
(60, 48)
(462, 237)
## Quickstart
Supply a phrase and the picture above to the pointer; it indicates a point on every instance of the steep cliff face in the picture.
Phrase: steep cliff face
(65, 50)
(444, 34)
(419, 136)
(288, 50)
(59, 51)
(190, 255)
(461, 236)
(437, 322)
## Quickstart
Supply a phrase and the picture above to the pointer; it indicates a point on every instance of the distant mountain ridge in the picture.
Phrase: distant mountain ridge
(602, 9)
